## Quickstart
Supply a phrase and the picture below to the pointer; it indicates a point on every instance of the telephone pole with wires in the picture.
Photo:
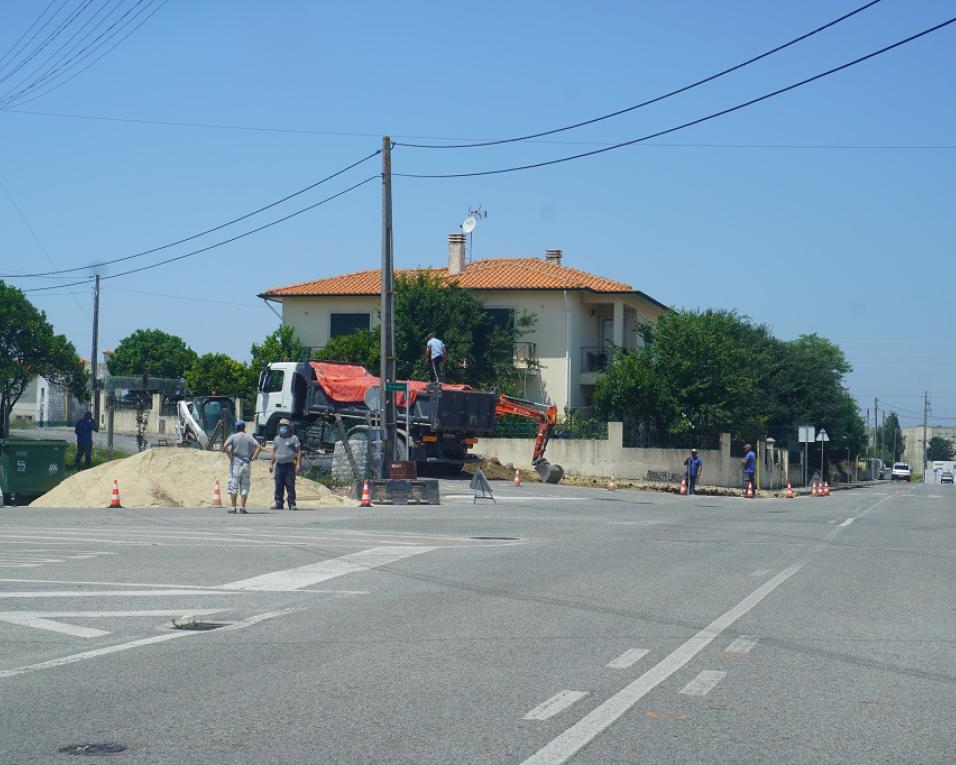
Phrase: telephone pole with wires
(925, 418)
(95, 404)
(386, 398)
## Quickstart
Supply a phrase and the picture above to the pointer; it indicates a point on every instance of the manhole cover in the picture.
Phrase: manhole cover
(92, 750)
(197, 626)
(496, 539)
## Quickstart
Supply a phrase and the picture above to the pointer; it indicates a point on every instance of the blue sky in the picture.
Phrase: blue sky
(852, 243)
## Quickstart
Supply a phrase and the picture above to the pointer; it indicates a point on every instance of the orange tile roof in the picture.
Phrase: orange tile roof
(491, 274)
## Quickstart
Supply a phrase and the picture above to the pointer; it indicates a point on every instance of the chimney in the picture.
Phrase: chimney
(456, 253)
(553, 256)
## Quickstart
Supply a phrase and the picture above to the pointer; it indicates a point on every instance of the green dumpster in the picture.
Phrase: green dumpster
(29, 468)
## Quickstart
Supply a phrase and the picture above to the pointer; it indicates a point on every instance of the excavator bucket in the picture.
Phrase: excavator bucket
(549, 473)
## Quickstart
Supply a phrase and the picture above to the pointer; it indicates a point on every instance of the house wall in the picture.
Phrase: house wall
(312, 316)
(913, 435)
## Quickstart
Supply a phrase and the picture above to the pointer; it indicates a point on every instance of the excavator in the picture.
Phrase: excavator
(547, 417)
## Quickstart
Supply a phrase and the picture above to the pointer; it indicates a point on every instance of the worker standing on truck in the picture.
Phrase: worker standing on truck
(286, 457)
(435, 358)
(242, 450)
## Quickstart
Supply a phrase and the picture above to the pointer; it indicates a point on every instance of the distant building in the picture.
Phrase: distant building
(580, 316)
(913, 452)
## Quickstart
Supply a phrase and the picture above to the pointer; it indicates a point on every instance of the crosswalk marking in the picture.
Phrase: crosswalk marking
(44, 620)
(313, 573)
(704, 683)
(741, 645)
(41, 623)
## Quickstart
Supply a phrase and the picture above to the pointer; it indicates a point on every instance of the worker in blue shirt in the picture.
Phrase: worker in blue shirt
(84, 439)
(692, 468)
(750, 468)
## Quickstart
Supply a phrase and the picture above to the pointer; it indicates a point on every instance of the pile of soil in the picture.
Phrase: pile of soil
(174, 478)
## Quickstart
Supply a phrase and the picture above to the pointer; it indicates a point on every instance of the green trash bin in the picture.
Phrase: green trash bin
(29, 468)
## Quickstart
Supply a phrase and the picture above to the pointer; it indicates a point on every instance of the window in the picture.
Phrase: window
(501, 318)
(347, 323)
(273, 381)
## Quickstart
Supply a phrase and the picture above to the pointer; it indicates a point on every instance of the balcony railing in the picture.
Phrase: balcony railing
(525, 354)
(595, 358)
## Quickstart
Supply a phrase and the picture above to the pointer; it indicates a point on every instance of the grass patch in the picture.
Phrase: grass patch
(100, 456)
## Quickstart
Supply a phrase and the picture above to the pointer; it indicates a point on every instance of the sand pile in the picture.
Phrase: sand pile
(174, 478)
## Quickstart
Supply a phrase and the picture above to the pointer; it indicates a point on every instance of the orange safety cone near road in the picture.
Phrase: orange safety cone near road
(114, 499)
(612, 484)
(813, 489)
(366, 497)
(683, 486)
(216, 495)
(750, 489)
(517, 478)
(789, 490)
(826, 488)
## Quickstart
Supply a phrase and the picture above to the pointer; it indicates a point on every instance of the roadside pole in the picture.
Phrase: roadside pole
(96, 331)
(387, 361)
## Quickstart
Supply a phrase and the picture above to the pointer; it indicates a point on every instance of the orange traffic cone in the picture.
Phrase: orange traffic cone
(114, 499)
(517, 481)
(826, 488)
(612, 484)
(789, 490)
(750, 489)
(683, 486)
(813, 489)
(366, 497)
(216, 495)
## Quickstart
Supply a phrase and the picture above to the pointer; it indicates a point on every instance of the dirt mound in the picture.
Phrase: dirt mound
(174, 478)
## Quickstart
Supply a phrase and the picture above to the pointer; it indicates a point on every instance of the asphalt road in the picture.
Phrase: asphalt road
(558, 625)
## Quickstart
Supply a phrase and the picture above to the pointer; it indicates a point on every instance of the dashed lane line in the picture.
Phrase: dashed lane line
(554, 705)
(741, 645)
(704, 683)
(629, 658)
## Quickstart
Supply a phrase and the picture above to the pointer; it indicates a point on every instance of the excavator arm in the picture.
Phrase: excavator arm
(547, 417)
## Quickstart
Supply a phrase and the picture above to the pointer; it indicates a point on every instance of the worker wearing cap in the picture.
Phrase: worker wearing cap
(241, 449)
(750, 468)
(286, 456)
(692, 467)
(435, 357)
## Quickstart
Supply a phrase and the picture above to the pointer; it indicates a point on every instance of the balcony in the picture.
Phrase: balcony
(594, 361)
(525, 355)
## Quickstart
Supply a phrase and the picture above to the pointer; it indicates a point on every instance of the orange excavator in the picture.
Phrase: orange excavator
(547, 417)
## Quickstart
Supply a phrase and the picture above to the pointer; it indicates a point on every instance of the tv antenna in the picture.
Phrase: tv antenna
(475, 214)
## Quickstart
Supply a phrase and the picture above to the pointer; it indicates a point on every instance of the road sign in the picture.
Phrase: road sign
(807, 433)
(822, 435)
(396, 387)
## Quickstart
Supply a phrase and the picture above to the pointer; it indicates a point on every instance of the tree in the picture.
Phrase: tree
(218, 374)
(360, 347)
(281, 345)
(888, 436)
(29, 348)
(153, 353)
(939, 448)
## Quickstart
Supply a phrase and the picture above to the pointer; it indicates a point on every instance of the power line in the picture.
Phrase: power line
(217, 244)
(13, 48)
(655, 99)
(697, 121)
(190, 238)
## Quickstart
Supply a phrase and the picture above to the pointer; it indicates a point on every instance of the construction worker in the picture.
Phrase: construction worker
(692, 467)
(284, 464)
(242, 450)
(749, 463)
(84, 439)
(435, 357)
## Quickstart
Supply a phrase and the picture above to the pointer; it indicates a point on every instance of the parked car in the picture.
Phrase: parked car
(901, 472)
(946, 476)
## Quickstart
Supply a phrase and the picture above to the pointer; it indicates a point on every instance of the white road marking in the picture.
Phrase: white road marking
(106, 593)
(111, 614)
(41, 623)
(628, 658)
(144, 585)
(585, 730)
(248, 622)
(833, 521)
(313, 573)
(760, 572)
(846, 523)
(703, 683)
(557, 703)
(743, 644)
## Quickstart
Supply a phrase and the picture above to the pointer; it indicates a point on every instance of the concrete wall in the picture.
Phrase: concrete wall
(913, 435)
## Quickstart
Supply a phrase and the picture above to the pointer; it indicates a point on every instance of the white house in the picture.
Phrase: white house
(580, 315)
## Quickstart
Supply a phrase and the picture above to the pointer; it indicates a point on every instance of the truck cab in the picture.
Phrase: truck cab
(283, 386)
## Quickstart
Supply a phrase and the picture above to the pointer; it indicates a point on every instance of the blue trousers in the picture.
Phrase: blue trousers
(285, 482)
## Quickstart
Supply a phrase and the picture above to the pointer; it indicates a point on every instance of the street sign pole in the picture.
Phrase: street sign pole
(822, 437)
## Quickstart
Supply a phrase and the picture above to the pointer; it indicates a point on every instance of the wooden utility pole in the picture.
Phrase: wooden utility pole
(386, 398)
(925, 418)
(96, 331)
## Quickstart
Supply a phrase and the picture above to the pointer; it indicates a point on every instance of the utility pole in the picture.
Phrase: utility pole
(96, 331)
(386, 398)
(876, 431)
(925, 418)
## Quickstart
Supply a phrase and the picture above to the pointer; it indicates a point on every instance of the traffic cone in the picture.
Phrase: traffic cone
(366, 497)
(813, 489)
(114, 499)
(612, 484)
(750, 489)
(826, 488)
(216, 495)
(517, 480)
(789, 490)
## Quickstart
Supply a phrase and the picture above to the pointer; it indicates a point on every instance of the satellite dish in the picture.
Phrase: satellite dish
(469, 225)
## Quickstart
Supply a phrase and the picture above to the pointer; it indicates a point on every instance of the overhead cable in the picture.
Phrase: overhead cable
(685, 125)
(655, 99)
(269, 206)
